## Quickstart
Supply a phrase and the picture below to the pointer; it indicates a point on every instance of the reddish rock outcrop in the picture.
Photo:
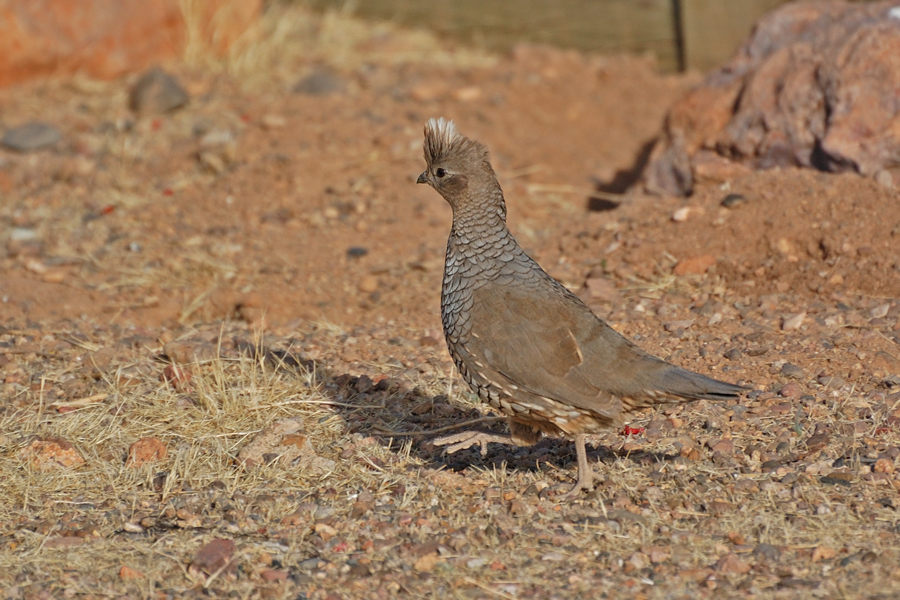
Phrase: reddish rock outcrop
(817, 84)
(106, 38)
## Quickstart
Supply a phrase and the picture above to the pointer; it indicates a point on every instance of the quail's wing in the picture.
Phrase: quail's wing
(552, 345)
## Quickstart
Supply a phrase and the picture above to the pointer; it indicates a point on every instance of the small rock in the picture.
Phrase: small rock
(476, 563)
(884, 177)
(213, 557)
(697, 265)
(831, 382)
(731, 564)
(659, 554)
(357, 251)
(746, 485)
(178, 377)
(732, 354)
(681, 215)
(733, 200)
(126, 573)
(792, 371)
(723, 446)
(793, 322)
(320, 83)
(817, 441)
(368, 284)
(736, 538)
(50, 454)
(22, 234)
(274, 576)
(638, 560)
(157, 92)
(31, 136)
(883, 465)
(768, 552)
(823, 553)
(146, 450)
(427, 563)
(880, 311)
(791, 390)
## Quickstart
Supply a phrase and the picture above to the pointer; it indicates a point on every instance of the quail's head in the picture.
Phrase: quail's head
(457, 167)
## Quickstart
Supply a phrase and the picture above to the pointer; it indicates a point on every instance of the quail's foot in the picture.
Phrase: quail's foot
(467, 439)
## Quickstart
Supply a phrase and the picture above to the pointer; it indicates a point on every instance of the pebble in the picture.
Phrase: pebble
(767, 551)
(51, 453)
(213, 556)
(681, 215)
(791, 390)
(881, 311)
(146, 450)
(793, 322)
(21, 234)
(792, 371)
(829, 381)
(733, 354)
(157, 92)
(320, 83)
(30, 136)
(357, 252)
(368, 284)
(733, 200)
(730, 563)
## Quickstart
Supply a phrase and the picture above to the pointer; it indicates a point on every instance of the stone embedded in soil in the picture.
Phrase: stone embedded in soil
(50, 454)
(31, 136)
(214, 557)
(733, 200)
(178, 377)
(146, 450)
(794, 322)
(157, 92)
(791, 390)
(792, 371)
(732, 565)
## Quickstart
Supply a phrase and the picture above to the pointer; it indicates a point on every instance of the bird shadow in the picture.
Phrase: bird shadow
(393, 414)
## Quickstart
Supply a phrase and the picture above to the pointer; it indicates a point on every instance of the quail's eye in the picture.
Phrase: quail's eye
(440, 173)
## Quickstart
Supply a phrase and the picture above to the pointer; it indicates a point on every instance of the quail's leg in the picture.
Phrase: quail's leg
(467, 439)
(585, 474)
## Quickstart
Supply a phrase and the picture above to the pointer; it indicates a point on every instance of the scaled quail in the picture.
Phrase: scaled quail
(522, 341)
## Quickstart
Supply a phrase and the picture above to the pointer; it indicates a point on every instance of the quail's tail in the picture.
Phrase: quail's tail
(687, 384)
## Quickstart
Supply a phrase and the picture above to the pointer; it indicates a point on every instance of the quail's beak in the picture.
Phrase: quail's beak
(423, 178)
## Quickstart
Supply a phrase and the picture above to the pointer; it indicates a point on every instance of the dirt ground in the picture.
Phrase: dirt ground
(264, 253)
